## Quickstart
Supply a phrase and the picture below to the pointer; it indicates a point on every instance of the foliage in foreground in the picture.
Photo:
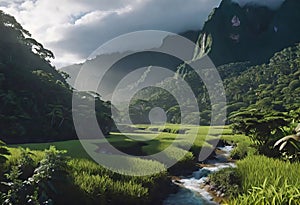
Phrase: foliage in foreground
(259, 180)
(268, 181)
(256, 169)
(270, 195)
(26, 184)
(3, 151)
(54, 179)
(226, 181)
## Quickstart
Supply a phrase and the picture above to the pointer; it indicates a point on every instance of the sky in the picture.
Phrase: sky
(73, 29)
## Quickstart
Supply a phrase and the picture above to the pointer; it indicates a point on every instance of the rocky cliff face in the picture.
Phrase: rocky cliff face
(250, 33)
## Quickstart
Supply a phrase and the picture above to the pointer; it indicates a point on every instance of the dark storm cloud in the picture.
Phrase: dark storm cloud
(72, 29)
(273, 4)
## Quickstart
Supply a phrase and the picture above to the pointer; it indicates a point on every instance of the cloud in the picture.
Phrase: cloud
(273, 4)
(72, 29)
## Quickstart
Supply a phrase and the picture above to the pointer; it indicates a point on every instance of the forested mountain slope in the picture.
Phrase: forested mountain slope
(250, 33)
(36, 101)
(272, 86)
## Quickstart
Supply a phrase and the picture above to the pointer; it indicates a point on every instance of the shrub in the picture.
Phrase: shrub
(227, 181)
(173, 130)
(104, 186)
(39, 187)
(240, 151)
(104, 189)
(270, 195)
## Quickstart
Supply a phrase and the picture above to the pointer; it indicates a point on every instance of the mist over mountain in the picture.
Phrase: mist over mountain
(237, 38)
(272, 4)
(127, 62)
(246, 31)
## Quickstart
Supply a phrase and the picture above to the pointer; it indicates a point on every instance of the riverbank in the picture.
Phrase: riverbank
(196, 186)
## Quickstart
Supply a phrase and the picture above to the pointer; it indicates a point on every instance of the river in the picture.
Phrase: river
(191, 191)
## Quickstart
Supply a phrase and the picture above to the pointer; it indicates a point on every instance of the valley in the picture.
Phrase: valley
(220, 126)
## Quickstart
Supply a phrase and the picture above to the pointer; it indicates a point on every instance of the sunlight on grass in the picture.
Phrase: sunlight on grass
(146, 142)
(268, 181)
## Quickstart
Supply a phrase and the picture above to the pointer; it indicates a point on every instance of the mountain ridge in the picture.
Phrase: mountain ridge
(258, 33)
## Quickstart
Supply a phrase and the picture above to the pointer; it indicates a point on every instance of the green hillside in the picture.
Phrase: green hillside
(35, 98)
(274, 85)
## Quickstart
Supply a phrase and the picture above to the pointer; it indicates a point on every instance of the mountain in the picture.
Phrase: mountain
(233, 33)
(250, 33)
(274, 86)
(192, 35)
(129, 62)
(35, 100)
(243, 42)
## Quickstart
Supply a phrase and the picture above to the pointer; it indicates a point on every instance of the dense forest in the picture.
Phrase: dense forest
(270, 86)
(31, 90)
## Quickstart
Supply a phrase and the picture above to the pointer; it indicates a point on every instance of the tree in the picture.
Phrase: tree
(139, 111)
(290, 145)
(28, 85)
(264, 127)
(57, 112)
(9, 24)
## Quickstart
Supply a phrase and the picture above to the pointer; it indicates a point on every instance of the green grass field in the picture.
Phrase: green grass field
(149, 141)
(144, 141)
(261, 177)
(268, 181)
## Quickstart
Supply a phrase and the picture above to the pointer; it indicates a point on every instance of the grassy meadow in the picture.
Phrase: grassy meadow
(180, 144)
(93, 183)
(144, 140)
(260, 179)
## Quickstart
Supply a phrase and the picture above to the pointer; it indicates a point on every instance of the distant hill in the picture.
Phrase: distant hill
(128, 64)
(272, 86)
